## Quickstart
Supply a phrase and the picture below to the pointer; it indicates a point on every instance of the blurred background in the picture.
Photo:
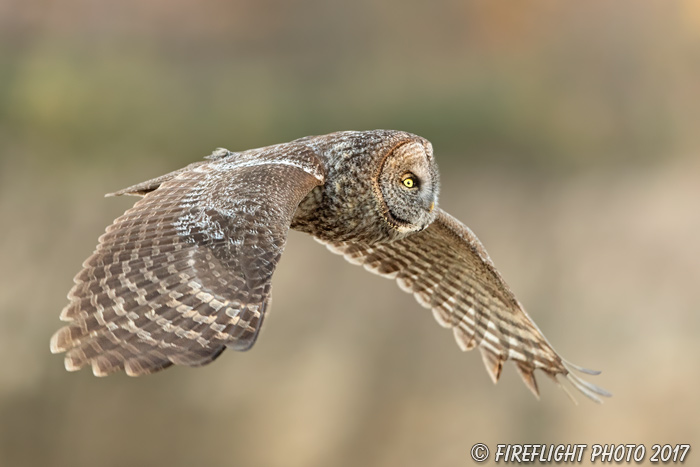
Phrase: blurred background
(568, 138)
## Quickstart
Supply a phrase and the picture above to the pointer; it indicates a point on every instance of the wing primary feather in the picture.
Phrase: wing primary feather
(527, 373)
(576, 382)
(582, 369)
(493, 363)
(464, 340)
(553, 377)
(588, 389)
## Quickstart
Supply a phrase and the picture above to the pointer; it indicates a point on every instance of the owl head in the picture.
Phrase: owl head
(408, 185)
(380, 186)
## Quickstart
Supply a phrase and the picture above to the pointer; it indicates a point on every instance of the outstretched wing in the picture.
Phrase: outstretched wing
(448, 271)
(186, 272)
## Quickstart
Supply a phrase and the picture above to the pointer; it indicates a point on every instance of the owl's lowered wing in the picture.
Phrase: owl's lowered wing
(447, 270)
(186, 272)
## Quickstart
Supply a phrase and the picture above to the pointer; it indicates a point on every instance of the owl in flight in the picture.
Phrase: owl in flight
(186, 272)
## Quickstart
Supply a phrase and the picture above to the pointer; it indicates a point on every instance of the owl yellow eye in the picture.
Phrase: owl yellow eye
(409, 181)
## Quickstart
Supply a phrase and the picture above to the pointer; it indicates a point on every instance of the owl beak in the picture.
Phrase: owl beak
(430, 202)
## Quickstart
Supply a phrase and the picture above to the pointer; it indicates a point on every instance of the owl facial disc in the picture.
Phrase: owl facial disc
(409, 183)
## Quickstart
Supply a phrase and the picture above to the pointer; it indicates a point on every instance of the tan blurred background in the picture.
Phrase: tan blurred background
(567, 135)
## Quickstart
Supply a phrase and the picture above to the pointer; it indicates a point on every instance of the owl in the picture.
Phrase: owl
(186, 272)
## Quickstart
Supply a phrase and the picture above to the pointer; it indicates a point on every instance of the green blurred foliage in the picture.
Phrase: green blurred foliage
(543, 84)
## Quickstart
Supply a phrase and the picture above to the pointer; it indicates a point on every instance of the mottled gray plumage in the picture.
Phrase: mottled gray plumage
(186, 272)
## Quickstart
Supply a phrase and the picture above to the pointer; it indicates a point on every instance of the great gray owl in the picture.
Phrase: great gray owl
(186, 272)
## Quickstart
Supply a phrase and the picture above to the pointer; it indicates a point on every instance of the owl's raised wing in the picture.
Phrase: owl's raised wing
(448, 271)
(186, 272)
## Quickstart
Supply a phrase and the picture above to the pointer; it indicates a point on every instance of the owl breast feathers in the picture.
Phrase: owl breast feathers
(186, 272)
